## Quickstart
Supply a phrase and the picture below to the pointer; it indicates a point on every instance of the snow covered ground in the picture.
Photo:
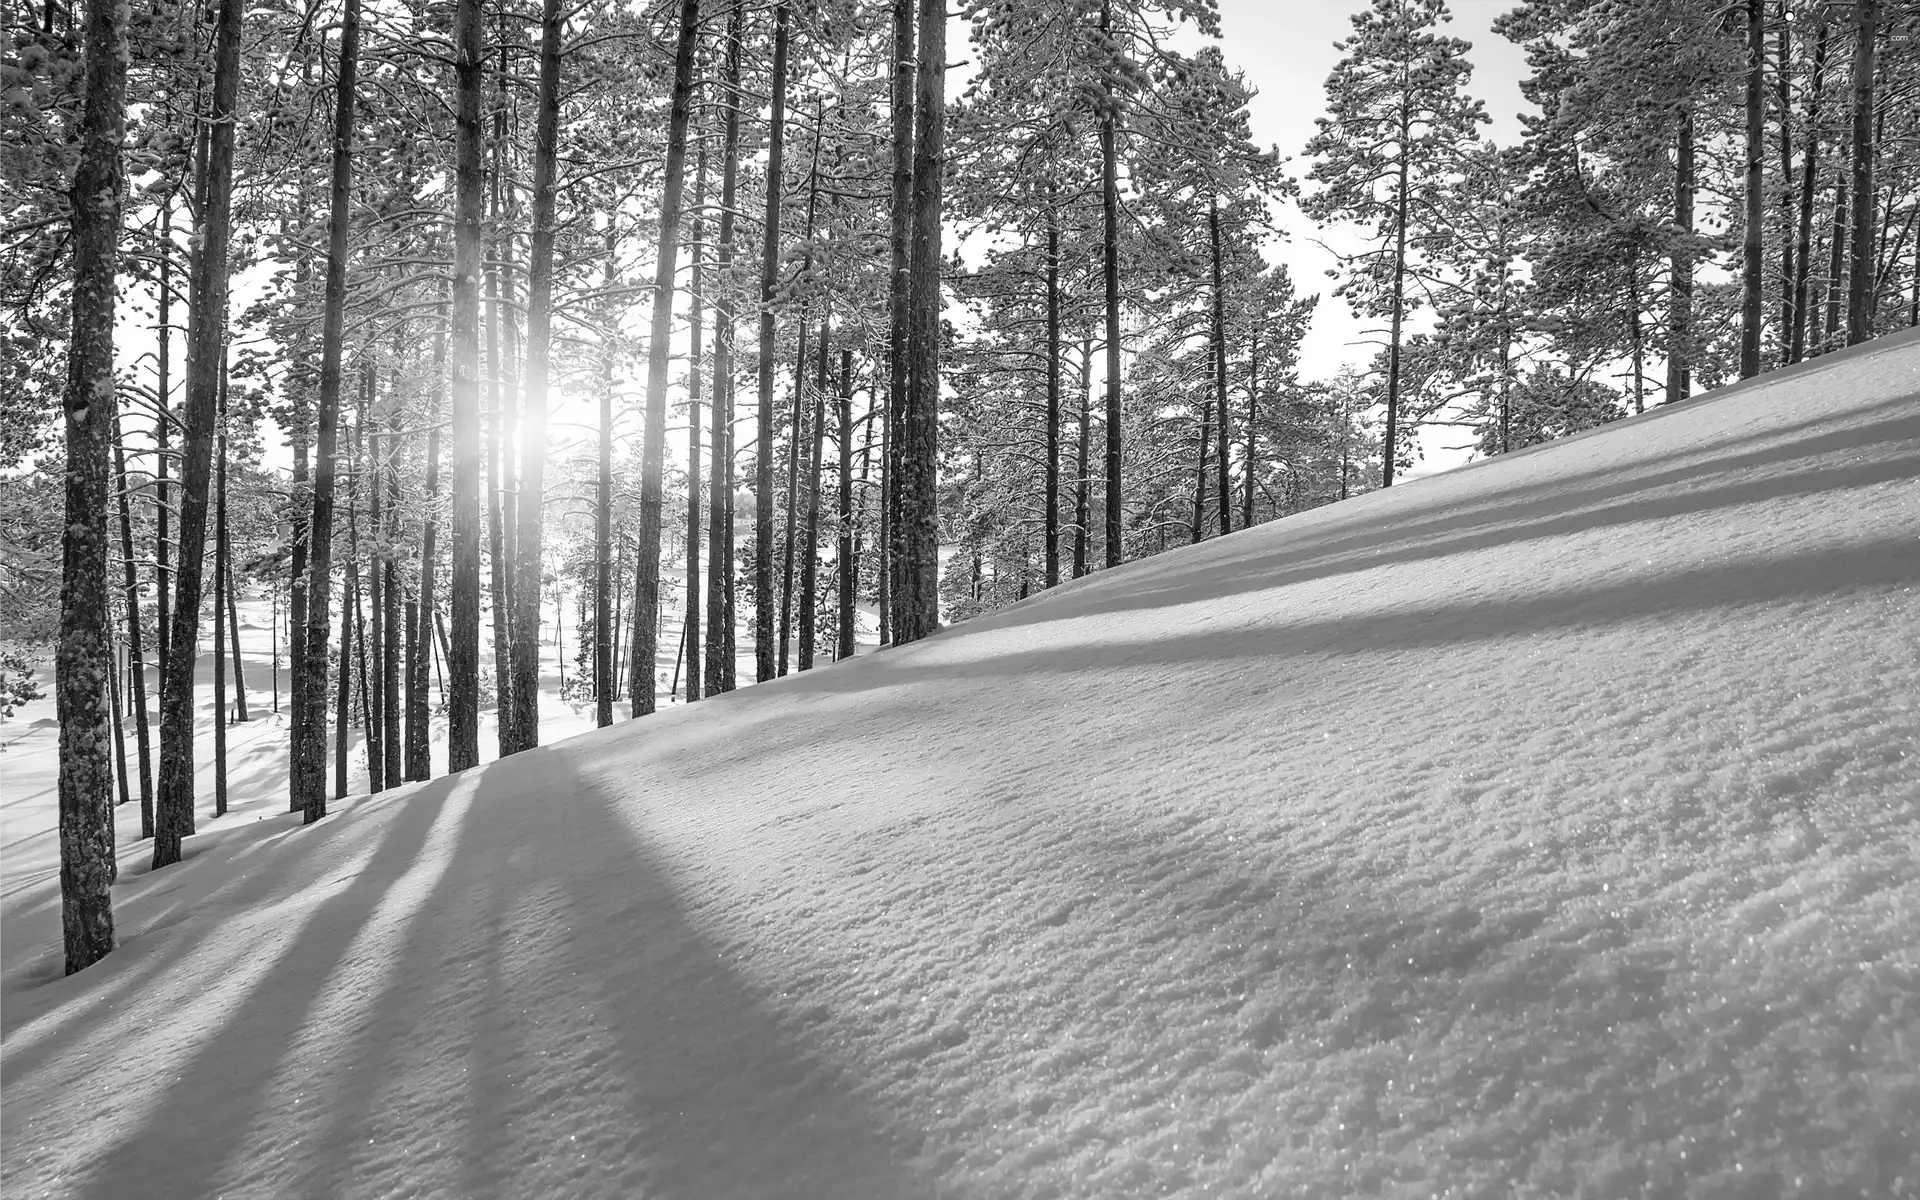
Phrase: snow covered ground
(1548, 827)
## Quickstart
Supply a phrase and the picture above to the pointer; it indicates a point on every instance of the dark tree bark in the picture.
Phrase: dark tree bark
(917, 604)
(1220, 370)
(343, 678)
(388, 534)
(691, 625)
(366, 453)
(1783, 104)
(810, 569)
(84, 659)
(1390, 454)
(763, 598)
(847, 556)
(1253, 418)
(1199, 529)
(1680, 292)
(163, 453)
(720, 580)
(137, 677)
(603, 626)
(220, 603)
(309, 775)
(899, 295)
(530, 509)
(420, 646)
(1082, 507)
(500, 491)
(1110, 275)
(1862, 275)
(463, 650)
(796, 412)
(205, 336)
(653, 442)
(1053, 389)
(1752, 249)
(1809, 180)
(1837, 256)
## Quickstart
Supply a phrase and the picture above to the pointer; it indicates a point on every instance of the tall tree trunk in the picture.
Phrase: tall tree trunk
(603, 628)
(1220, 367)
(220, 597)
(1860, 294)
(137, 677)
(810, 570)
(1390, 453)
(163, 453)
(763, 596)
(531, 506)
(1837, 256)
(367, 451)
(653, 442)
(1753, 264)
(343, 677)
(899, 296)
(1783, 102)
(500, 490)
(1809, 177)
(1253, 417)
(1053, 387)
(463, 650)
(308, 781)
(917, 604)
(84, 658)
(1110, 274)
(720, 581)
(796, 411)
(420, 628)
(205, 336)
(847, 556)
(691, 625)
(1680, 299)
(1081, 486)
(1200, 470)
(390, 705)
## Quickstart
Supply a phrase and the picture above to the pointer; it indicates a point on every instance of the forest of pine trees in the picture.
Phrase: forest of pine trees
(452, 332)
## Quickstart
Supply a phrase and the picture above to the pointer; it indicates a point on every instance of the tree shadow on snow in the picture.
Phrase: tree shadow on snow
(545, 1019)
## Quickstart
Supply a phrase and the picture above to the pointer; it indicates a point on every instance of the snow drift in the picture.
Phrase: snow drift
(1547, 827)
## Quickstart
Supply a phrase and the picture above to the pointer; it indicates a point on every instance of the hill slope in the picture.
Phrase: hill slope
(1548, 826)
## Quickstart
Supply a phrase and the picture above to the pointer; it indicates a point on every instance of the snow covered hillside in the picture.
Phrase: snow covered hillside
(1547, 827)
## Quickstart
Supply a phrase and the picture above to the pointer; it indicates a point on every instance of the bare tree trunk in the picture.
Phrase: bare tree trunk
(500, 491)
(691, 626)
(463, 650)
(1753, 264)
(206, 330)
(1680, 300)
(899, 303)
(917, 603)
(764, 667)
(163, 453)
(1082, 509)
(1053, 388)
(653, 442)
(1200, 470)
(137, 677)
(1110, 274)
(390, 704)
(84, 658)
(603, 627)
(1390, 454)
(1809, 176)
(367, 451)
(420, 648)
(219, 602)
(810, 570)
(1220, 369)
(720, 581)
(1837, 259)
(847, 556)
(1253, 418)
(1860, 294)
(343, 678)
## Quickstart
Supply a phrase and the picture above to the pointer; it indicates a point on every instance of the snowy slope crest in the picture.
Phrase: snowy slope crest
(1549, 827)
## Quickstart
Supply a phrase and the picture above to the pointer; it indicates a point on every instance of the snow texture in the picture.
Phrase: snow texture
(1548, 827)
